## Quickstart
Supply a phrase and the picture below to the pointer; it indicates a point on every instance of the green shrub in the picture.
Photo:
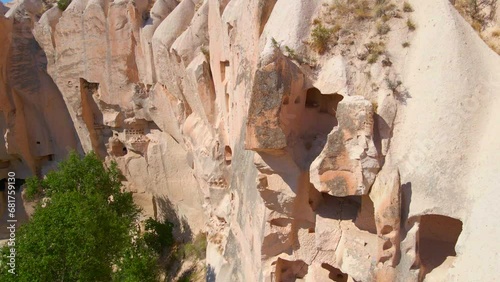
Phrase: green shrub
(405, 44)
(197, 248)
(292, 54)
(34, 189)
(158, 235)
(320, 37)
(138, 263)
(63, 4)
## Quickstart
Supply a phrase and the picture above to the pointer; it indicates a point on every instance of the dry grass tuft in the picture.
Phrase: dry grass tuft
(411, 25)
(407, 8)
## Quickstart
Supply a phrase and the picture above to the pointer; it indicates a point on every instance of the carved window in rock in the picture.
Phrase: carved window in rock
(325, 103)
(228, 155)
(224, 69)
(136, 136)
(118, 149)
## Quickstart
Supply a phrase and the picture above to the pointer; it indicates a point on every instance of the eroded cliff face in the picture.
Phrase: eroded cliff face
(372, 161)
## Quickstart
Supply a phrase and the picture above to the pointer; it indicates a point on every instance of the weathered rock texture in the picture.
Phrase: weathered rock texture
(374, 161)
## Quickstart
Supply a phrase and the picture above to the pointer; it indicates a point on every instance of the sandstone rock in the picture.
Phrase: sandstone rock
(386, 196)
(348, 163)
(268, 146)
(333, 77)
(384, 121)
(36, 130)
(276, 83)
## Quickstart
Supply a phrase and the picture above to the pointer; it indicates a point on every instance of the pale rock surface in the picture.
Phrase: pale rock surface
(36, 130)
(298, 166)
(333, 77)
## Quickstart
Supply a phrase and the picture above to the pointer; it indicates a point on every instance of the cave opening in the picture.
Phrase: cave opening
(357, 209)
(228, 155)
(316, 121)
(339, 208)
(438, 236)
(224, 66)
(118, 149)
(92, 115)
(324, 103)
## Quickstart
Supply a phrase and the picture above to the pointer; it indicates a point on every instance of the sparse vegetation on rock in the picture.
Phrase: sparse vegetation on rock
(481, 16)
(373, 51)
(383, 28)
(407, 8)
(63, 4)
(411, 25)
(320, 37)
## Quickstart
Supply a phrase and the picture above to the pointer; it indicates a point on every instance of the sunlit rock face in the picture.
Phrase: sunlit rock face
(372, 160)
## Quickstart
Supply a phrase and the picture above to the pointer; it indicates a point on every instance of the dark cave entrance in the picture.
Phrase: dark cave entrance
(118, 149)
(438, 236)
(315, 123)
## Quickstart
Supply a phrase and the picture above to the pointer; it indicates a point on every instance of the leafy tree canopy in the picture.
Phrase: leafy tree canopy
(83, 230)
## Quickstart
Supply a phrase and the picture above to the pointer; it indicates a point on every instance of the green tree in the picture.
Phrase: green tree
(83, 230)
(159, 235)
(138, 263)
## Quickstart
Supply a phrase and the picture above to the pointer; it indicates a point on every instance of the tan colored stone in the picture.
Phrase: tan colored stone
(176, 95)
(348, 163)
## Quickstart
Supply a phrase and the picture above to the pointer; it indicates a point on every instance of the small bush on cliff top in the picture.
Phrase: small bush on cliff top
(84, 231)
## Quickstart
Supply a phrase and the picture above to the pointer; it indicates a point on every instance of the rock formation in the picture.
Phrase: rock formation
(366, 154)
